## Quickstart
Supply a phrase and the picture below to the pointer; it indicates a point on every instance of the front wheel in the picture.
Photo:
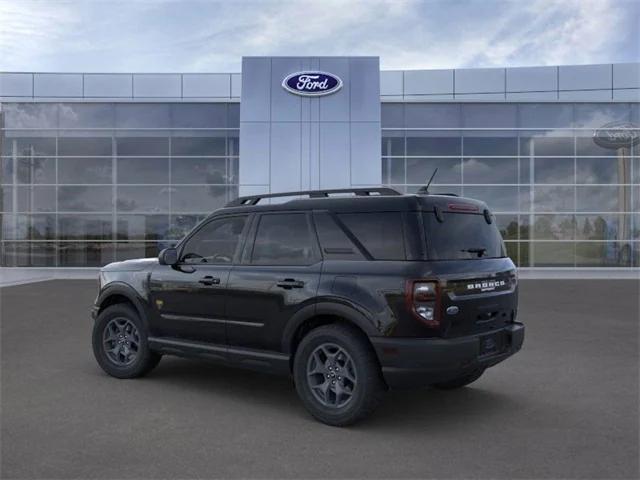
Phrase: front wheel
(337, 375)
(460, 382)
(120, 343)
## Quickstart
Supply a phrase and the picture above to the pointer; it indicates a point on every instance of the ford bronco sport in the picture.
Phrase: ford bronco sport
(349, 291)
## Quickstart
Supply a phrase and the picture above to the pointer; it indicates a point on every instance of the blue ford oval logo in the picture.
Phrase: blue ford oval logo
(312, 84)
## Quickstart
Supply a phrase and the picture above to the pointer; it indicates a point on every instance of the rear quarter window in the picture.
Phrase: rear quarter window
(462, 236)
(380, 233)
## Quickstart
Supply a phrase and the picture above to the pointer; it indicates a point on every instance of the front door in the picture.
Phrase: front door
(278, 276)
(189, 298)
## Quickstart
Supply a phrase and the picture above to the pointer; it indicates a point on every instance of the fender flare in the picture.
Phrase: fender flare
(127, 291)
(350, 314)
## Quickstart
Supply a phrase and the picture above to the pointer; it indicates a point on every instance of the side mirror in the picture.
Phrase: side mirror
(168, 256)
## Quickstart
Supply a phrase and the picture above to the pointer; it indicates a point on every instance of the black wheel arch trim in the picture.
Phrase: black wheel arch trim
(326, 307)
(127, 291)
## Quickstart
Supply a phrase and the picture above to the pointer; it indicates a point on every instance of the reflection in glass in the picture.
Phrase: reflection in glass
(489, 145)
(85, 199)
(29, 254)
(33, 170)
(508, 226)
(84, 146)
(603, 170)
(30, 115)
(541, 145)
(552, 254)
(419, 170)
(603, 227)
(498, 199)
(83, 115)
(183, 224)
(85, 227)
(143, 170)
(143, 199)
(554, 227)
(28, 146)
(553, 199)
(604, 254)
(393, 143)
(553, 170)
(142, 227)
(84, 254)
(419, 144)
(393, 171)
(35, 198)
(490, 170)
(603, 198)
(84, 170)
(130, 250)
(145, 146)
(200, 170)
(392, 115)
(198, 146)
(201, 198)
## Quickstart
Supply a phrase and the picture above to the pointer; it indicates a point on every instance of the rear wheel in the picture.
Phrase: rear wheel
(461, 381)
(120, 343)
(337, 375)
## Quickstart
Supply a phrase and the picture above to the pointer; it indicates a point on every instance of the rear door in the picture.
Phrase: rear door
(278, 275)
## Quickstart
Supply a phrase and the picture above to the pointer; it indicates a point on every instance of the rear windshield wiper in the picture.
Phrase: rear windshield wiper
(479, 251)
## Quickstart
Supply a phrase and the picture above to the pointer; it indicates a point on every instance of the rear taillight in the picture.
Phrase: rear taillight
(423, 300)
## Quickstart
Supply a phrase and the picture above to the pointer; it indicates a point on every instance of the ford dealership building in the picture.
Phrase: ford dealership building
(101, 167)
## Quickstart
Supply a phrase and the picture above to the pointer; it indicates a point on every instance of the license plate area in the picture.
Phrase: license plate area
(492, 344)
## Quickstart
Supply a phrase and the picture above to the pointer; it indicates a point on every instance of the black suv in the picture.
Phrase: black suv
(350, 291)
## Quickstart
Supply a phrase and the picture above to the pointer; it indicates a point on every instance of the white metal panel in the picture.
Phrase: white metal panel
(428, 82)
(585, 77)
(57, 85)
(626, 75)
(100, 85)
(532, 79)
(206, 85)
(16, 84)
(391, 83)
(157, 85)
(479, 80)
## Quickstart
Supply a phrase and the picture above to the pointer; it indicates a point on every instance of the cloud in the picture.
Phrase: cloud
(198, 35)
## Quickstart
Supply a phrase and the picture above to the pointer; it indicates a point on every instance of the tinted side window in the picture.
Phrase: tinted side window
(283, 239)
(334, 242)
(216, 242)
(380, 233)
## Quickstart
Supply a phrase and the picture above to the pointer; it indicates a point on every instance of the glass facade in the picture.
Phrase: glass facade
(84, 184)
(560, 199)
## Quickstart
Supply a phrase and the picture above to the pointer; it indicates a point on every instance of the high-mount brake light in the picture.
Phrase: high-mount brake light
(423, 301)
(462, 207)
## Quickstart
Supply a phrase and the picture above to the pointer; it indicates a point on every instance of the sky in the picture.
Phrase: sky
(212, 36)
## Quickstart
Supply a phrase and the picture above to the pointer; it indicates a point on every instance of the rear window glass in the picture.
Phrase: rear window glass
(462, 236)
(379, 233)
(283, 239)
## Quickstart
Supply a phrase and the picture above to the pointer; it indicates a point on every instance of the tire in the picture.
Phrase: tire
(459, 382)
(133, 357)
(353, 368)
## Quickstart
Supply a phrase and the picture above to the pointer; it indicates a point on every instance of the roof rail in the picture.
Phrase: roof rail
(359, 192)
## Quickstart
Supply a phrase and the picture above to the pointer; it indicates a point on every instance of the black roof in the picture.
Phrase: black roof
(359, 200)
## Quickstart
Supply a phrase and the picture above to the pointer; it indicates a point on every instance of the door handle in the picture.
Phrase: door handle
(209, 280)
(290, 283)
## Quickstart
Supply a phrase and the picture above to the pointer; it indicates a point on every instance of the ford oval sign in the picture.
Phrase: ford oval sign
(617, 135)
(312, 84)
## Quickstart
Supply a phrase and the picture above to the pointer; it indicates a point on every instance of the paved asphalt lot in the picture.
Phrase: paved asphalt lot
(565, 407)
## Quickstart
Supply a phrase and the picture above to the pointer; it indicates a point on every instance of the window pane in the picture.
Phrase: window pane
(392, 143)
(29, 254)
(199, 170)
(183, 224)
(380, 233)
(598, 114)
(490, 170)
(393, 170)
(83, 254)
(483, 115)
(419, 144)
(78, 115)
(603, 254)
(424, 115)
(214, 243)
(490, 146)
(85, 199)
(233, 115)
(35, 170)
(28, 146)
(552, 254)
(603, 227)
(85, 227)
(145, 146)
(554, 227)
(84, 146)
(498, 199)
(553, 170)
(545, 115)
(84, 170)
(201, 146)
(603, 170)
(201, 199)
(586, 146)
(142, 227)
(392, 115)
(603, 198)
(28, 115)
(546, 146)
(283, 240)
(28, 227)
(198, 115)
(508, 226)
(553, 199)
(143, 199)
(143, 170)
(36, 199)
(419, 170)
(148, 115)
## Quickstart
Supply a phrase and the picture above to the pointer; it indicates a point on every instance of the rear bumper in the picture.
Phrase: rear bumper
(415, 362)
